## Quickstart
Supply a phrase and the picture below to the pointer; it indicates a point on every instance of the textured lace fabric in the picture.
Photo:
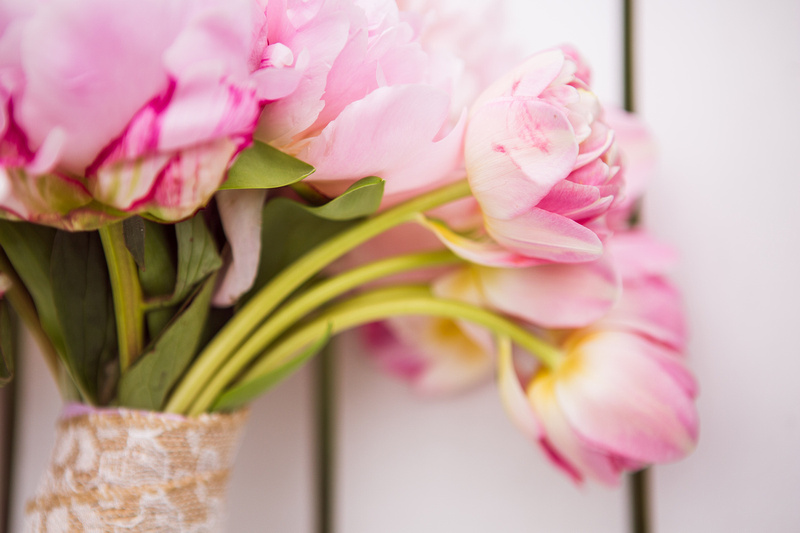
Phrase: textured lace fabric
(122, 471)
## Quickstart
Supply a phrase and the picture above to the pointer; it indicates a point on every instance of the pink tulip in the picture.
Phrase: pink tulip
(621, 396)
(444, 356)
(102, 120)
(541, 163)
(637, 152)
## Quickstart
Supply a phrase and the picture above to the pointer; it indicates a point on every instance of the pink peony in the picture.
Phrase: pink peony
(368, 100)
(541, 164)
(346, 86)
(102, 119)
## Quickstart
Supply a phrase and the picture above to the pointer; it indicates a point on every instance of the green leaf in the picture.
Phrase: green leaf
(28, 247)
(197, 256)
(146, 384)
(134, 230)
(288, 231)
(6, 344)
(247, 391)
(360, 199)
(84, 305)
(157, 275)
(263, 167)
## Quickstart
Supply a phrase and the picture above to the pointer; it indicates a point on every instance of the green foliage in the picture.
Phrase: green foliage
(290, 229)
(263, 167)
(28, 248)
(84, 307)
(133, 229)
(360, 199)
(146, 384)
(197, 256)
(6, 344)
(243, 393)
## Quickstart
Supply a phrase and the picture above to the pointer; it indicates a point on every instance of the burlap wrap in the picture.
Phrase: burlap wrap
(123, 471)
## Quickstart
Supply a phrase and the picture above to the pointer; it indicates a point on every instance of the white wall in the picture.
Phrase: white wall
(719, 84)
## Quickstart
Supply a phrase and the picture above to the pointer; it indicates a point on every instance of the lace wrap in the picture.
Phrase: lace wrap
(121, 471)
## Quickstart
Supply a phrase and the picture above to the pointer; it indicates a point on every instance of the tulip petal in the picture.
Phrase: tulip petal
(530, 78)
(547, 236)
(651, 307)
(516, 150)
(562, 444)
(452, 359)
(512, 394)
(480, 250)
(553, 295)
(620, 399)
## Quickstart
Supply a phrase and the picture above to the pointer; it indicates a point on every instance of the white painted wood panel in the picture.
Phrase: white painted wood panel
(410, 464)
(719, 84)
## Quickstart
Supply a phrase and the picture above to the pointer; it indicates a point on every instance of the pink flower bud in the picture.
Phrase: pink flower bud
(540, 161)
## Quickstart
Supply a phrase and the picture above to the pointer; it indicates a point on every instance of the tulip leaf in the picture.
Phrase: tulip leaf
(29, 247)
(197, 256)
(7, 333)
(360, 199)
(145, 385)
(133, 229)
(250, 389)
(289, 231)
(84, 306)
(263, 167)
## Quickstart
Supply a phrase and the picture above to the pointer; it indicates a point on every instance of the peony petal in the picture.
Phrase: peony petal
(240, 213)
(203, 109)
(547, 236)
(515, 152)
(391, 133)
(79, 58)
(321, 40)
(188, 181)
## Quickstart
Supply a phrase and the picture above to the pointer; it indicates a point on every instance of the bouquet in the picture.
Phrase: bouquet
(191, 212)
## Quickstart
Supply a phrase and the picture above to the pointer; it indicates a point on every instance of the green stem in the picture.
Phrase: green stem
(394, 301)
(304, 304)
(229, 339)
(21, 301)
(127, 292)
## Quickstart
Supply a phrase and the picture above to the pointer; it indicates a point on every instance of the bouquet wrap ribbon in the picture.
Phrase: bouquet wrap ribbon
(121, 470)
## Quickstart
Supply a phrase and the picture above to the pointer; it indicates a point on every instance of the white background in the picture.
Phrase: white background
(719, 85)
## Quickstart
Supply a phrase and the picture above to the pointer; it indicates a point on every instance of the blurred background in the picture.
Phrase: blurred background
(718, 84)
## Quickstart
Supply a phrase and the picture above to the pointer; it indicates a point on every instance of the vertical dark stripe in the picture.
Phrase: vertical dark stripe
(8, 396)
(639, 491)
(638, 482)
(325, 389)
(628, 55)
